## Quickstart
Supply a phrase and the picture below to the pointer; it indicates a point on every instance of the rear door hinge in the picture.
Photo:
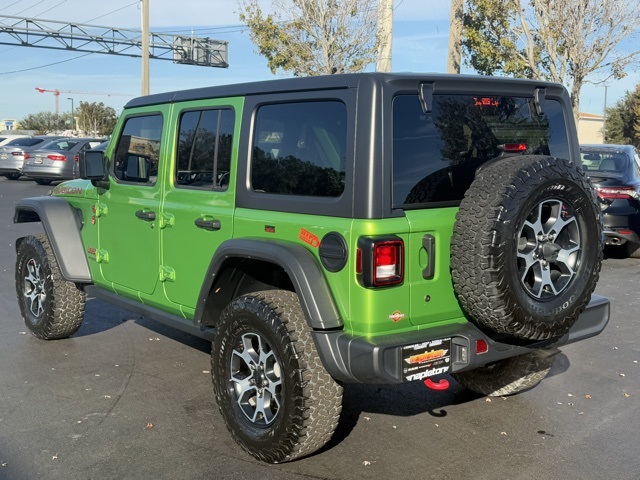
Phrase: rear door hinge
(102, 256)
(167, 220)
(167, 274)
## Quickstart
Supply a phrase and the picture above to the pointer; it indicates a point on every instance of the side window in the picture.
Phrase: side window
(204, 149)
(300, 149)
(138, 150)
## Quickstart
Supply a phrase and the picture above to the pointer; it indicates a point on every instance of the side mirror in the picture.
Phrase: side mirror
(92, 166)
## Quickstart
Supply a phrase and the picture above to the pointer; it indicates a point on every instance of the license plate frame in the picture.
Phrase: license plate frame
(426, 359)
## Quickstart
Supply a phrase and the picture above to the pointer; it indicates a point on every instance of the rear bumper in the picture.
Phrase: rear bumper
(45, 172)
(362, 360)
(613, 236)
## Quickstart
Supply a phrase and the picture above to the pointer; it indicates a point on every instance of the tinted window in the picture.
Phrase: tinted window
(299, 149)
(138, 149)
(604, 161)
(204, 149)
(62, 145)
(25, 142)
(435, 155)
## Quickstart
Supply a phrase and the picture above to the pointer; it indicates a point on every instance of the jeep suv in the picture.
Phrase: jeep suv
(372, 228)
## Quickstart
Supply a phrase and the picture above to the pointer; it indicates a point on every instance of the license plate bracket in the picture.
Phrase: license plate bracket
(426, 359)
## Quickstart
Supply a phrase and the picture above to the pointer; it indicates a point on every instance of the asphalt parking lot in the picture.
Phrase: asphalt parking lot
(126, 398)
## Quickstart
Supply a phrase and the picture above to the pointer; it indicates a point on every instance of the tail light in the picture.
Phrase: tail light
(380, 261)
(616, 193)
(76, 158)
(57, 157)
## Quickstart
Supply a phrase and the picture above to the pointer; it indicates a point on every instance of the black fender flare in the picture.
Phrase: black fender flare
(62, 225)
(303, 269)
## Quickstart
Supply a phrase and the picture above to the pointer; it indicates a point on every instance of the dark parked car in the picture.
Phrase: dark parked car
(56, 160)
(614, 171)
(12, 154)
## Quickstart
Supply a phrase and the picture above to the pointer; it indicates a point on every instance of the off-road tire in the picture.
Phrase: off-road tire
(509, 376)
(495, 244)
(13, 176)
(310, 400)
(51, 306)
(43, 181)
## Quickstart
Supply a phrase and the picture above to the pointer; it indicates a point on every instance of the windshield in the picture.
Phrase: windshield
(435, 155)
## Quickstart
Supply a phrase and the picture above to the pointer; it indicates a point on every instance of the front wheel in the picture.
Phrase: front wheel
(509, 376)
(51, 306)
(276, 398)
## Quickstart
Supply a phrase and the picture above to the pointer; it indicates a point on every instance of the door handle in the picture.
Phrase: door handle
(146, 215)
(210, 225)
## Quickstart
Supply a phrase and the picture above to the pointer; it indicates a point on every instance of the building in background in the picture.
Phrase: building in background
(590, 128)
(8, 124)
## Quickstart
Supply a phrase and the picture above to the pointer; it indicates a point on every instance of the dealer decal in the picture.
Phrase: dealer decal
(396, 316)
(426, 359)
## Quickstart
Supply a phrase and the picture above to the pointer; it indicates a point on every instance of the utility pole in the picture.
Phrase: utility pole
(385, 30)
(145, 47)
(455, 35)
(73, 118)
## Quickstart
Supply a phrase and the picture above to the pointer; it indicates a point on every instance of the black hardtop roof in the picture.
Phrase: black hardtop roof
(350, 80)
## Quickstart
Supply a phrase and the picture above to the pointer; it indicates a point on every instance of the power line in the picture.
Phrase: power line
(28, 8)
(47, 65)
(114, 11)
(51, 8)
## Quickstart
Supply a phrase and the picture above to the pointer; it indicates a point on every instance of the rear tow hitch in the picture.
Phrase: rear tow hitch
(442, 384)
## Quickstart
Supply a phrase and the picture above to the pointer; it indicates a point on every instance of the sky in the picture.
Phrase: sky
(420, 40)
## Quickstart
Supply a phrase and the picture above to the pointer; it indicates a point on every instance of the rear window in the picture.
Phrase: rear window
(604, 162)
(435, 155)
(60, 145)
(25, 142)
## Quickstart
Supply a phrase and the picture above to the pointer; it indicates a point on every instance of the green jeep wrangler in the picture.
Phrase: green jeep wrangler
(372, 228)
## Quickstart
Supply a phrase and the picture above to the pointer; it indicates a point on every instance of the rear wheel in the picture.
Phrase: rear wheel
(43, 181)
(51, 307)
(275, 396)
(12, 176)
(509, 376)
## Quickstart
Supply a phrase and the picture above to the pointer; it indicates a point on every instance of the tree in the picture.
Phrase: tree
(96, 119)
(44, 122)
(314, 37)
(565, 41)
(623, 120)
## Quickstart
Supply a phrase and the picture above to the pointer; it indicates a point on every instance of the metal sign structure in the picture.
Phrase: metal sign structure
(78, 37)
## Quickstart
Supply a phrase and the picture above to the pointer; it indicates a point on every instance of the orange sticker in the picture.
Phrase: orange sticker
(308, 237)
(427, 356)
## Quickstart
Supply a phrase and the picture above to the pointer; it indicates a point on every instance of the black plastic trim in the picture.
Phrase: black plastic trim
(379, 360)
(303, 270)
(62, 226)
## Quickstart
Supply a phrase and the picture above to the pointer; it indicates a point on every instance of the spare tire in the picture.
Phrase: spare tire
(527, 246)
